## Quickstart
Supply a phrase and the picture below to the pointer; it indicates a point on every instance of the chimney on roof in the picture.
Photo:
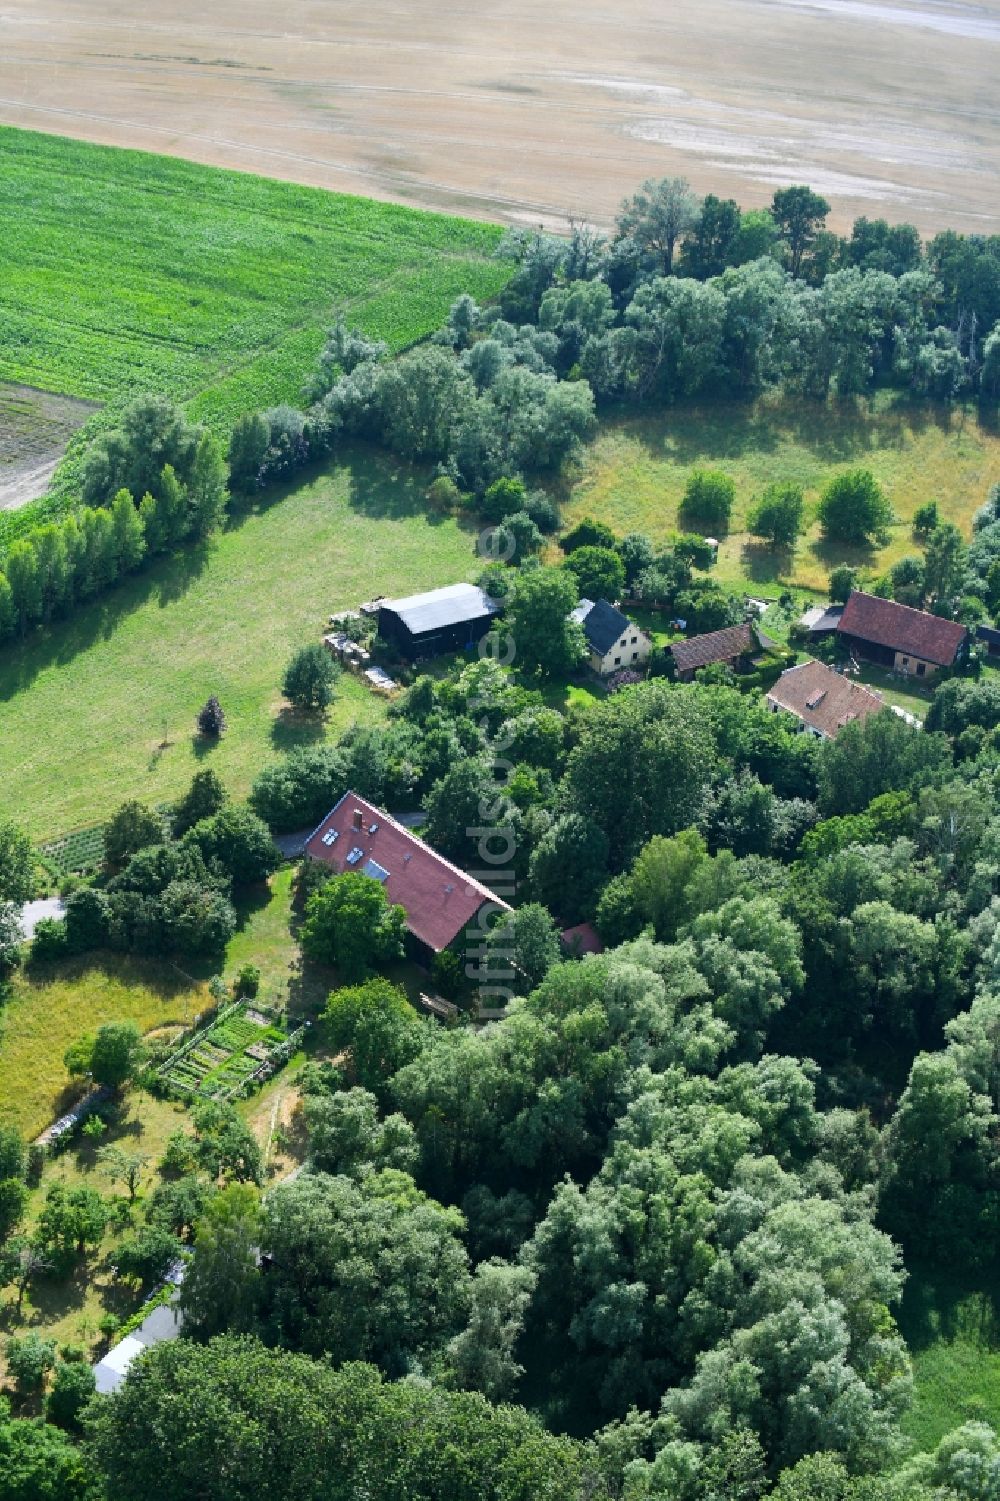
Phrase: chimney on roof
(358, 820)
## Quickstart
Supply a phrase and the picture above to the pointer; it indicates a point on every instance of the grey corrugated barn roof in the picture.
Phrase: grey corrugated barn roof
(453, 605)
(602, 624)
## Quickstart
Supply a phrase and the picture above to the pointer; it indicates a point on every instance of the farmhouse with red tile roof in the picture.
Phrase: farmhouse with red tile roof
(440, 901)
(822, 700)
(900, 637)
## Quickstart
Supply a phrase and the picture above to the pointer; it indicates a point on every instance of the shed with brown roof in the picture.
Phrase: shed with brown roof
(898, 636)
(439, 899)
(735, 645)
(822, 700)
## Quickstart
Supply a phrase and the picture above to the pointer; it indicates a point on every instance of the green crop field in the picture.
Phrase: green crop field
(126, 272)
(635, 471)
(101, 707)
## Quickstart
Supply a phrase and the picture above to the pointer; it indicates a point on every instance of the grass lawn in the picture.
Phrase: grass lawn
(101, 707)
(635, 471)
(127, 272)
(953, 1330)
(52, 1005)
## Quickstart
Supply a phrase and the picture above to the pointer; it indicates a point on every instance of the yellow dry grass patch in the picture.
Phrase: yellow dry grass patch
(634, 473)
(50, 1007)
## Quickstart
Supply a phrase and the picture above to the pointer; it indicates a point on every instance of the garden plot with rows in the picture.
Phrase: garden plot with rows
(232, 1056)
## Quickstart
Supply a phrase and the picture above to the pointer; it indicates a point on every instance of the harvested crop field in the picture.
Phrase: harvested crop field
(35, 427)
(527, 112)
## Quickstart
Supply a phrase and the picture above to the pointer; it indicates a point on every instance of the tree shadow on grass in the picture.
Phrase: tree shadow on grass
(56, 645)
(831, 553)
(292, 728)
(838, 430)
(765, 564)
(939, 1305)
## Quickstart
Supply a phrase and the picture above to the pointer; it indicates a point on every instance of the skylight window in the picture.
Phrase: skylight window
(375, 870)
(355, 855)
(330, 837)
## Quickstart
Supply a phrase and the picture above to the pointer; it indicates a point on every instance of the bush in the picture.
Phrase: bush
(925, 519)
(599, 573)
(299, 790)
(72, 1388)
(247, 448)
(543, 511)
(49, 941)
(204, 797)
(518, 537)
(132, 828)
(777, 515)
(29, 1360)
(588, 533)
(444, 496)
(503, 498)
(239, 842)
(708, 497)
(247, 982)
(842, 581)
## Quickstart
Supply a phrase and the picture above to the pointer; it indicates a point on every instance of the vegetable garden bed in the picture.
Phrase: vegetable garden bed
(233, 1055)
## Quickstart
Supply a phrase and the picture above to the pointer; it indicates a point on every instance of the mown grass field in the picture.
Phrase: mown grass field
(952, 1327)
(126, 272)
(102, 706)
(635, 471)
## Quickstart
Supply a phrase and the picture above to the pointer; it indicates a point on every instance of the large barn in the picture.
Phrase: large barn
(897, 636)
(439, 899)
(449, 619)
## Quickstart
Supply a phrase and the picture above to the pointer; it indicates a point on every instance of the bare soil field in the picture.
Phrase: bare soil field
(535, 113)
(35, 427)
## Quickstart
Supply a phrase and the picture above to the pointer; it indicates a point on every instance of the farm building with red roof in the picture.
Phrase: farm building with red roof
(900, 637)
(440, 901)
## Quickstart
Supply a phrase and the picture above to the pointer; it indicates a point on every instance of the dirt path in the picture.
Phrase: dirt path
(35, 427)
(532, 113)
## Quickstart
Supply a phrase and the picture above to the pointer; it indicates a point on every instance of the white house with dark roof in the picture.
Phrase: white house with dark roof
(613, 641)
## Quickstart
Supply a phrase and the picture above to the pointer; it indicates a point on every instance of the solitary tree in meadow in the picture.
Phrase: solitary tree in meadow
(310, 678)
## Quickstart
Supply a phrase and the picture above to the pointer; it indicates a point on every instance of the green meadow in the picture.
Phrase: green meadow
(634, 473)
(101, 707)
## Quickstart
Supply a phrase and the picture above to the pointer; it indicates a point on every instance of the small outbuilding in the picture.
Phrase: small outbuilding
(442, 620)
(613, 641)
(736, 646)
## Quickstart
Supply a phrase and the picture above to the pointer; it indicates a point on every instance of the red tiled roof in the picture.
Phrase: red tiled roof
(717, 646)
(438, 898)
(583, 939)
(900, 628)
(823, 699)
